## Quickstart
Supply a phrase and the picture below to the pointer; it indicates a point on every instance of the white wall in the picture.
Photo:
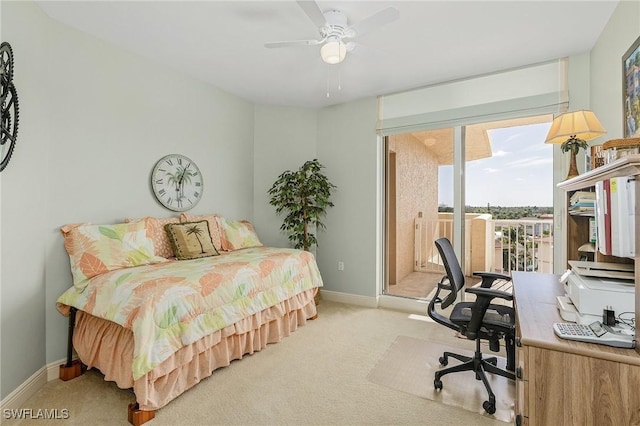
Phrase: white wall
(93, 121)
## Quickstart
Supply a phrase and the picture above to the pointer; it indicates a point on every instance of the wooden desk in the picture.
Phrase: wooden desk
(562, 382)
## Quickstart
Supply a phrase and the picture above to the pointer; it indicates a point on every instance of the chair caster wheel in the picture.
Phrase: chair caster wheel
(489, 407)
(437, 384)
(493, 361)
(443, 361)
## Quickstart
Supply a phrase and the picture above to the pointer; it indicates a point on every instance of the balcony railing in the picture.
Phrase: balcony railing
(490, 245)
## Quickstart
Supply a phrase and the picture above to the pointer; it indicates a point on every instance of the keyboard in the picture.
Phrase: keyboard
(595, 332)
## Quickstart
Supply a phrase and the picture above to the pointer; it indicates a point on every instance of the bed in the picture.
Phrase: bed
(159, 325)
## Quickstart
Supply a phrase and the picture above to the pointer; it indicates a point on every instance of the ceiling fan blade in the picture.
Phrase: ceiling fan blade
(312, 10)
(293, 43)
(374, 21)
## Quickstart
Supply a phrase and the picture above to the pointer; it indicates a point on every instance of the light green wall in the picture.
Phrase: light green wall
(284, 139)
(343, 138)
(93, 121)
(606, 67)
(24, 230)
(348, 147)
(578, 76)
(595, 83)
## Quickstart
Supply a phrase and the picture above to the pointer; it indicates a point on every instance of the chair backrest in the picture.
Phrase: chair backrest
(454, 271)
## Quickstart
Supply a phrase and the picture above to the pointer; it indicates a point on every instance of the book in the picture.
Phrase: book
(622, 216)
(583, 201)
(589, 205)
(593, 230)
(582, 195)
(603, 217)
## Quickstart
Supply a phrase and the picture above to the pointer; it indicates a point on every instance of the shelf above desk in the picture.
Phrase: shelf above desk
(628, 166)
(577, 230)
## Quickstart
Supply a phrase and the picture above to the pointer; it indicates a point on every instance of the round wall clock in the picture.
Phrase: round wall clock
(177, 182)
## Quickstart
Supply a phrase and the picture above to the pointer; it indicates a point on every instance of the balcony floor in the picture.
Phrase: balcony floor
(421, 285)
(417, 285)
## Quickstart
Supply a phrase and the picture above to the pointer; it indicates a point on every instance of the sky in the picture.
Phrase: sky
(520, 172)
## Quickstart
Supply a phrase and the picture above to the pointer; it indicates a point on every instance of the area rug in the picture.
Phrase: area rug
(409, 366)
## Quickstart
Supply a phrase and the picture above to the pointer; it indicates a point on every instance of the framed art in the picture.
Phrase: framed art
(631, 90)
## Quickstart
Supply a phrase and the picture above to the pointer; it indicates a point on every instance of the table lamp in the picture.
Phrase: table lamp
(573, 130)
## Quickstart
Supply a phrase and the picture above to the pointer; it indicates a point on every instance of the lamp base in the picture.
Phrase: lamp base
(573, 167)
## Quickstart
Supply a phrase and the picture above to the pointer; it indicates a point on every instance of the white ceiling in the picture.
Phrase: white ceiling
(222, 42)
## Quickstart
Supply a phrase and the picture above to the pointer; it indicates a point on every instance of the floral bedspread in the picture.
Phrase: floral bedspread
(173, 304)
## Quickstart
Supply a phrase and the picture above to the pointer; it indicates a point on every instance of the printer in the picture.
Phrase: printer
(590, 287)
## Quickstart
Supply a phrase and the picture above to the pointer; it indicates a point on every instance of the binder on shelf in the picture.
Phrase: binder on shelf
(622, 190)
(603, 217)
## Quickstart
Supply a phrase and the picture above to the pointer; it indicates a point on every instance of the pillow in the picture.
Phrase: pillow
(96, 249)
(155, 229)
(238, 234)
(191, 240)
(214, 226)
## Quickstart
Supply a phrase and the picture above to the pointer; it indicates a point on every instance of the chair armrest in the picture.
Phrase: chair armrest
(489, 293)
(489, 277)
(484, 296)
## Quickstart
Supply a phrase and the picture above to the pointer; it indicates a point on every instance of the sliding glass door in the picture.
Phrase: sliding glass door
(487, 187)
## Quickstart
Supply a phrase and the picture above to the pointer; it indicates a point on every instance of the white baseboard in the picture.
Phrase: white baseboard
(26, 390)
(350, 299)
(404, 304)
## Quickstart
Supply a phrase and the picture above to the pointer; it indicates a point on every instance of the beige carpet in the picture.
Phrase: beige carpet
(316, 376)
(409, 366)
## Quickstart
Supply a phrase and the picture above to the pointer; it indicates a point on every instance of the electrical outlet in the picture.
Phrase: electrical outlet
(340, 265)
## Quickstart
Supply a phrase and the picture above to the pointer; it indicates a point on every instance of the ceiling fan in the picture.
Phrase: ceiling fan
(334, 28)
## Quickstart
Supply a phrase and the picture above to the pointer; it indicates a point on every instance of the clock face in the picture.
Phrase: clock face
(177, 182)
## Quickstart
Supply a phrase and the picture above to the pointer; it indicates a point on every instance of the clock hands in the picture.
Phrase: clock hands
(180, 185)
(182, 175)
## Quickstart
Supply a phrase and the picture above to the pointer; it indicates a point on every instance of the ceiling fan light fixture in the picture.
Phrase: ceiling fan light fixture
(333, 52)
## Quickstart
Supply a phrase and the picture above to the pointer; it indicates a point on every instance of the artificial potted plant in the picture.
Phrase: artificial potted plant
(303, 196)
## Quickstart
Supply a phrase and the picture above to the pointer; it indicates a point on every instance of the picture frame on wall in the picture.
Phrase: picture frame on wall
(631, 90)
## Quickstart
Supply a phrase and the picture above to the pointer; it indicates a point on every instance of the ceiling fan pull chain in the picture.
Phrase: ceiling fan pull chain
(328, 95)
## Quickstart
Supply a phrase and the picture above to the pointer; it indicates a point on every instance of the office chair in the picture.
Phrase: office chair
(478, 320)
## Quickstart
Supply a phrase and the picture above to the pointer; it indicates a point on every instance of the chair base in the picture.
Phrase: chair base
(480, 366)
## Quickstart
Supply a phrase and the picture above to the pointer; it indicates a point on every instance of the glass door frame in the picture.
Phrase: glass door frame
(458, 207)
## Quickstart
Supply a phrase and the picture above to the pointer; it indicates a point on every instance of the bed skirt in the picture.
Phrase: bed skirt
(108, 347)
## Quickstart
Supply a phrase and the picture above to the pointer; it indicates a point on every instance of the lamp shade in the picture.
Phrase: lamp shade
(577, 124)
(333, 52)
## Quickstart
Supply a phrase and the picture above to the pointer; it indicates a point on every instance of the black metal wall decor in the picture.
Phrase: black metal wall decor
(9, 106)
